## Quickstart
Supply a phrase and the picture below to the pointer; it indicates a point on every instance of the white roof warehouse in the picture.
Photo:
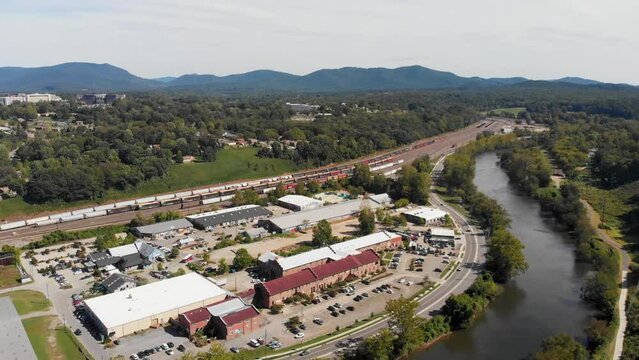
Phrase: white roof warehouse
(230, 216)
(162, 228)
(301, 219)
(125, 312)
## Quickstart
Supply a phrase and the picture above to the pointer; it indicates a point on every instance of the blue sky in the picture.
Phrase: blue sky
(539, 39)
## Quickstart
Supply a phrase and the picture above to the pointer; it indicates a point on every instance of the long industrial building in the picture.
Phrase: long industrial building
(125, 312)
(304, 219)
(230, 216)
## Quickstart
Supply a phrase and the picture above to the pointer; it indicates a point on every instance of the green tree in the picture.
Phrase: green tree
(460, 309)
(561, 347)
(378, 347)
(222, 267)
(402, 314)
(366, 221)
(361, 176)
(216, 352)
(242, 259)
(505, 257)
(322, 234)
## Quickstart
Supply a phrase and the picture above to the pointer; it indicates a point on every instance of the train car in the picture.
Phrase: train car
(47, 222)
(118, 210)
(124, 204)
(148, 205)
(170, 202)
(60, 215)
(72, 217)
(191, 198)
(210, 201)
(290, 186)
(13, 225)
(184, 193)
(228, 192)
(201, 191)
(165, 197)
(144, 200)
(34, 221)
(268, 190)
(210, 195)
(226, 198)
(190, 204)
(95, 214)
(104, 207)
(82, 211)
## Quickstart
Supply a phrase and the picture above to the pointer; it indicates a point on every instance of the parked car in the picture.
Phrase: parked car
(181, 348)
(318, 321)
(170, 352)
(298, 335)
(350, 308)
(235, 350)
(78, 332)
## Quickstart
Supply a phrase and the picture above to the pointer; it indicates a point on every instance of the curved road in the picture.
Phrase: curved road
(471, 265)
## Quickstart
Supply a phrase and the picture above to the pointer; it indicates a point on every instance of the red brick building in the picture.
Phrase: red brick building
(226, 319)
(315, 279)
(194, 320)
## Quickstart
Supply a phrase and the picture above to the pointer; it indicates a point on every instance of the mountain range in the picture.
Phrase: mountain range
(74, 77)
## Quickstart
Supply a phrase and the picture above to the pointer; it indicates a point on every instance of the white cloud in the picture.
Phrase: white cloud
(532, 38)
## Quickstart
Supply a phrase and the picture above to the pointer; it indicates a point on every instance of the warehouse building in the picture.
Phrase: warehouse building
(163, 228)
(15, 342)
(298, 202)
(125, 312)
(273, 266)
(304, 219)
(424, 215)
(231, 216)
(315, 279)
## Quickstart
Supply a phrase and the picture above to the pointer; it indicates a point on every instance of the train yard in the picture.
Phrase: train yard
(194, 200)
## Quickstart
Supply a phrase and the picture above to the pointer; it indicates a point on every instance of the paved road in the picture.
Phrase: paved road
(443, 144)
(471, 265)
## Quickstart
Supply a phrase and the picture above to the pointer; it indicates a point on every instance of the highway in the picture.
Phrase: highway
(433, 147)
(471, 265)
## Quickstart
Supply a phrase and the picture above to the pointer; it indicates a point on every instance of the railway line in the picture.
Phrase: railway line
(193, 200)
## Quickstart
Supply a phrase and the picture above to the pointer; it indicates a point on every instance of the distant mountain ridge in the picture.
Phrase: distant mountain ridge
(78, 76)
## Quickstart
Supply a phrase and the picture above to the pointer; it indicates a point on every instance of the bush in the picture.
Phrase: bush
(276, 309)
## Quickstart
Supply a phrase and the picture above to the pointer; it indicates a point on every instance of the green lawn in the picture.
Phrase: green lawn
(613, 205)
(9, 276)
(50, 343)
(27, 301)
(512, 111)
(231, 164)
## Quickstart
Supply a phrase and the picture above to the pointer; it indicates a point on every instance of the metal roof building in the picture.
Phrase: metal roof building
(125, 312)
(162, 228)
(14, 342)
(424, 214)
(303, 219)
(298, 202)
(230, 216)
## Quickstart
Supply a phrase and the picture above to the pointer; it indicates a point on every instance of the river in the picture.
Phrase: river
(540, 303)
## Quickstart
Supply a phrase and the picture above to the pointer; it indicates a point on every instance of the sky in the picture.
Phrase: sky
(537, 39)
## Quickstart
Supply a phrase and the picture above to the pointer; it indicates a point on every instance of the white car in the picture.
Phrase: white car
(410, 283)
(402, 280)
(299, 335)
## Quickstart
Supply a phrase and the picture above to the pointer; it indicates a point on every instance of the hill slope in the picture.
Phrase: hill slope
(71, 77)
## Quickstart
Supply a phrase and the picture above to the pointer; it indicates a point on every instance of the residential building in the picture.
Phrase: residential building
(28, 98)
(232, 216)
(315, 279)
(298, 202)
(125, 312)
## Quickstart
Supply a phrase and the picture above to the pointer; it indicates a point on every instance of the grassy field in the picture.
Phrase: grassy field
(27, 301)
(50, 341)
(510, 112)
(231, 164)
(613, 205)
(9, 276)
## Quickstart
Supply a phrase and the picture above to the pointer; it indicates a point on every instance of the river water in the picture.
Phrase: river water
(540, 303)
